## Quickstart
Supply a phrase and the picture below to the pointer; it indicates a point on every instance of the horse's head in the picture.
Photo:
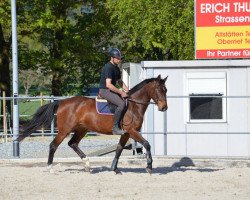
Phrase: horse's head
(159, 92)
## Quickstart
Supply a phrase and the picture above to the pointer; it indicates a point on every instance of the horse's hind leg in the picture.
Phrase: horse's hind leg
(53, 147)
(73, 143)
(123, 140)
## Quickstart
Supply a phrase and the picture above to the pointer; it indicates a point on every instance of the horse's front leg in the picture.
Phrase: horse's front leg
(147, 146)
(123, 140)
(138, 137)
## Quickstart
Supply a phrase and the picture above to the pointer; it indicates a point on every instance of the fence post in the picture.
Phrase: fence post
(4, 117)
(41, 95)
(165, 133)
(15, 80)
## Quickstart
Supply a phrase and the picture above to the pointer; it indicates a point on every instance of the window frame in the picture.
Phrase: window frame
(223, 93)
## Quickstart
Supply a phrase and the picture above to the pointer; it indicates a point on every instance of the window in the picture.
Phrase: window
(206, 91)
(207, 106)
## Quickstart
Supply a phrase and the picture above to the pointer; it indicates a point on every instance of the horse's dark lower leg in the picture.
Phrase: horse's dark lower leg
(148, 156)
(53, 147)
(115, 161)
(74, 141)
(52, 150)
(137, 137)
(123, 140)
(77, 150)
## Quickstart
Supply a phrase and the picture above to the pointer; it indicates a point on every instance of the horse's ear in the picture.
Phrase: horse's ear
(159, 77)
(165, 79)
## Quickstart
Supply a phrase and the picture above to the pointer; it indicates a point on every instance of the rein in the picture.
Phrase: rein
(140, 102)
(137, 102)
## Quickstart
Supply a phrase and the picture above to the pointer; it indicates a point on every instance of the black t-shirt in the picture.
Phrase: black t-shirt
(109, 71)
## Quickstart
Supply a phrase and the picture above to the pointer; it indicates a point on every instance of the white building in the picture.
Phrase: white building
(209, 107)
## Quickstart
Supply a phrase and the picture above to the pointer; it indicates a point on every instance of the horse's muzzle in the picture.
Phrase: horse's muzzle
(162, 106)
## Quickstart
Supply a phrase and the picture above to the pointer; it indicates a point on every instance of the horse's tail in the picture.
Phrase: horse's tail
(42, 118)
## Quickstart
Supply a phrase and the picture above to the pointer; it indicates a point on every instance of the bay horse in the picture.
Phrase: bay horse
(78, 115)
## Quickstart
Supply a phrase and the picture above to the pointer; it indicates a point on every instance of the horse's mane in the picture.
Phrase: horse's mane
(140, 85)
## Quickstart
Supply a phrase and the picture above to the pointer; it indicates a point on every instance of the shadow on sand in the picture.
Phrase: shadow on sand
(184, 164)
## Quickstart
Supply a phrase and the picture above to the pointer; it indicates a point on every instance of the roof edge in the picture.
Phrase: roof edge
(196, 63)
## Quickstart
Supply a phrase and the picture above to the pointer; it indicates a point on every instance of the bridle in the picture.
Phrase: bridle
(138, 102)
(143, 103)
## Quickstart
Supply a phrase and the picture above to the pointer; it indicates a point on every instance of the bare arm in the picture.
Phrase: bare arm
(123, 85)
(110, 86)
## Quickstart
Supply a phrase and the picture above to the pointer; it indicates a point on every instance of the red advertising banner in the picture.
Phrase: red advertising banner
(222, 29)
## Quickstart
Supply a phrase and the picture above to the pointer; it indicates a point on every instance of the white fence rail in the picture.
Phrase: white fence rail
(6, 127)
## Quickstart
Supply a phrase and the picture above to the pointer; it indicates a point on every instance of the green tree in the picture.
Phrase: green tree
(5, 43)
(62, 39)
(6, 38)
(72, 34)
(150, 29)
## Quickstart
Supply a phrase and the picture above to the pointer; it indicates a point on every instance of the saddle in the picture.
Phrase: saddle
(104, 107)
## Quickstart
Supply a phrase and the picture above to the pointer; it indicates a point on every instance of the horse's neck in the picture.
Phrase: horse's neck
(141, 95)
(141, 99)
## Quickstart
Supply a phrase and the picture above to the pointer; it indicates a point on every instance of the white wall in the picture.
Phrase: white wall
(228, 138)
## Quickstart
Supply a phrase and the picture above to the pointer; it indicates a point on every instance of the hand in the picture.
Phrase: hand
(124, 95)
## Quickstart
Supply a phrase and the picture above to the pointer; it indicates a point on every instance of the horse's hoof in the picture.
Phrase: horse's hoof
(50, 169)
(117, 172)
(149, 170)
(87, 164)
(87, 169)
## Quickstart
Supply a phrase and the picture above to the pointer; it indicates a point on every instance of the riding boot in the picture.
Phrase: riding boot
(116, 130)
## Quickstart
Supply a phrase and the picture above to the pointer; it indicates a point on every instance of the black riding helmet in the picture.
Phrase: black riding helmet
(115, 53)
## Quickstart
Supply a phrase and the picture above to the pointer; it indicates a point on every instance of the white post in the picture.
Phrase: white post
(15, 80)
